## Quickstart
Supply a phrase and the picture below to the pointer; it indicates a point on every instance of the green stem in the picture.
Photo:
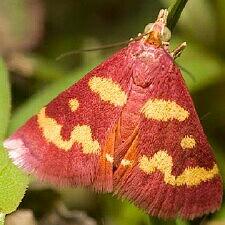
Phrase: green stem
(175, 10)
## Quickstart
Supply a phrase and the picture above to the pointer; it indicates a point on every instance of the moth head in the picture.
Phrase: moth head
(157, 33)
(165, 36)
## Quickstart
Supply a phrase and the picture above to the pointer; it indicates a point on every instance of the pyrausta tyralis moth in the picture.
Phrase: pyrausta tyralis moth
(128, 127)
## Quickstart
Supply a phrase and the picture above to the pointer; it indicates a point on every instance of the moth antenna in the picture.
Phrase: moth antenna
(75, 52)
(161, 19)
(205, 116)
(187, 72)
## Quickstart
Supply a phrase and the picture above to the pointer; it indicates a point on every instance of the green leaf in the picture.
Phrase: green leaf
(13, 186)
(136, 216)
(220, 215)
(182, 222)
(4, 100)
(5, 110)
(2, 218)
(157, 221)
(13, 182)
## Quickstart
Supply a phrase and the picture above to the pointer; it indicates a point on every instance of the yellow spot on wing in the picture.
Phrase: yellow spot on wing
(80, 134)
(162, 162)
(109, 158)
(164, 110)
(126, 162)
(108, 90)
(73, 104)
(188, 142)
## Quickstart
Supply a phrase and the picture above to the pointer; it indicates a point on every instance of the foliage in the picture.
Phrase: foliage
(13, 181)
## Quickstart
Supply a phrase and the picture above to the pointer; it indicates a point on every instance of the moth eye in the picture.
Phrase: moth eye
(166, 33)
(148, 27)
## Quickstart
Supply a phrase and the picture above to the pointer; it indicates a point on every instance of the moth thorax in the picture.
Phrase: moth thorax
(164, 37)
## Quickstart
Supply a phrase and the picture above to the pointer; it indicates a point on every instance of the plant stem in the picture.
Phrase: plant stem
(175, 10)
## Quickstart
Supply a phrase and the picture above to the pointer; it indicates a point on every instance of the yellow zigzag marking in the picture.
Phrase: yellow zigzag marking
(164, 110)
(108, 90)
(80, 134)
(163, 162)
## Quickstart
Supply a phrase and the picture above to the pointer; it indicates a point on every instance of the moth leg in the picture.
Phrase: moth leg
(166, 44)
(177, 51)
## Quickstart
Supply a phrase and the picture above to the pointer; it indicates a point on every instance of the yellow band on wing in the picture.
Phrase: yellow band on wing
(164, 110)
(80, 134)
(162, 162)
(108, 90)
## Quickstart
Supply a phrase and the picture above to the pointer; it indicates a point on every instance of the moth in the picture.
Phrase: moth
(128, 127)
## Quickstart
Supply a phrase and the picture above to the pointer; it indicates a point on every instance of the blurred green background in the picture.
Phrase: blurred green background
(34, 32)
